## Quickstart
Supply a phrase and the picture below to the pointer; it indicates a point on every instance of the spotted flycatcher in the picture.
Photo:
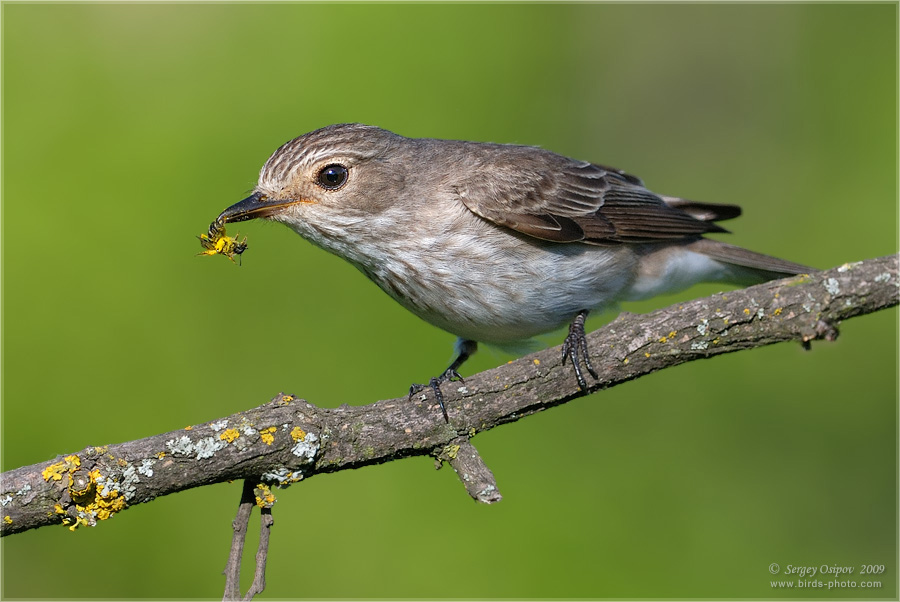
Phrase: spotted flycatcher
(494, 243)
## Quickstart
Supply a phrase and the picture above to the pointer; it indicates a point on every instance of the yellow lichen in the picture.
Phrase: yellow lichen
(161, 455)
(537, 362)
(229, 435)
(188, 428)
(668, 337)
(298, 434)
(264, 496)
(55, 471)
(102, 507)
(451, 451)
(746, 312)
(7, 520)
(267, 436)
(625, 361)
(89, 501)
(106, 506)
(78, 522)
(777, 311)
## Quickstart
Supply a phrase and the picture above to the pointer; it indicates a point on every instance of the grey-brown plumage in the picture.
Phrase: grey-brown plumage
(491, 242)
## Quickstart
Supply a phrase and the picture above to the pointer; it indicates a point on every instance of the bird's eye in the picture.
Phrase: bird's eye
(332, 177)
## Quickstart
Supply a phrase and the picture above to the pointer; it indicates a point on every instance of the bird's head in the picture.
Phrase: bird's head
(325, 177)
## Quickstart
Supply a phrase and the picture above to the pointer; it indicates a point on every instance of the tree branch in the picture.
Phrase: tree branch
(289, 439)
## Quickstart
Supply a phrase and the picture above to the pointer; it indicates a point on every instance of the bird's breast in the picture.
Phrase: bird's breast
(486, 284)
(471, 277)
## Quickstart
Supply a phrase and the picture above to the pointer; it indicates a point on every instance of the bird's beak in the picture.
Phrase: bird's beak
(254, 206)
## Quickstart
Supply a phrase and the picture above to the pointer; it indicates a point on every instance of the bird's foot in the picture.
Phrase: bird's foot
(575, 349)
(435, 385)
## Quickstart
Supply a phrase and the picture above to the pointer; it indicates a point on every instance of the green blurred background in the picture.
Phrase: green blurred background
(127, 128)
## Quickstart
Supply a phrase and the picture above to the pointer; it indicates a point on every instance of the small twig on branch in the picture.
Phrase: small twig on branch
(289, 439)
(262, 553)
(476, 477)
(251, 496)
(232, 570)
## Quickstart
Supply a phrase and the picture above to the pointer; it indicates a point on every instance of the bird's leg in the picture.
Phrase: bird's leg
(464, 350)
(575, 348)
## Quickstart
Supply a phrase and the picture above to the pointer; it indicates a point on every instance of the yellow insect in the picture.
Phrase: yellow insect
(216, 242)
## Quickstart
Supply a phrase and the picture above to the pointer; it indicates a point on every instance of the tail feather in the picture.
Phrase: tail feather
(765, 267)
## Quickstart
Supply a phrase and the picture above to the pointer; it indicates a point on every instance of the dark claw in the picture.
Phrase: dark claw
(464, 349)
(575, 349)
(435, 385)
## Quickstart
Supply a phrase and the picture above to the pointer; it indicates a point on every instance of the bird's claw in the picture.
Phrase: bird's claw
(435, 385)
(575, 349)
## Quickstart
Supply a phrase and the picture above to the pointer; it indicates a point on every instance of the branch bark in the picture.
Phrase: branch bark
(289, 439)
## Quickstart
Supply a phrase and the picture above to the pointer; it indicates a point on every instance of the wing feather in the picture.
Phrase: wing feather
(555, 198)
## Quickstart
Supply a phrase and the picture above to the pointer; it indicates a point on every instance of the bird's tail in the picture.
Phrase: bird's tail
(745, 267)
(749, 267)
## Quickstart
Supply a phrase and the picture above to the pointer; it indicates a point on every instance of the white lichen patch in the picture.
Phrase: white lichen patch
(249, 431)
(883, 277)
(282, 476)
(5, 500)
(24, 490)
(703, 326)
(832, 286)
(462, 390)
(208, 446)
(218, 425)
(760, 313)
(699, 345)
(129, 479)
(106, 486)
(810, 304)
(487, 491)
(146, 467)
(278, 475)
(182, 446)
(307, 448)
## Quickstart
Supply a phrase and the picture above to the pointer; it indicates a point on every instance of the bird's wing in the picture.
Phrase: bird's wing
(562, 200)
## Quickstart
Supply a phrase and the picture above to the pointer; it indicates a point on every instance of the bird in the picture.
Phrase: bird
(495, 243)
